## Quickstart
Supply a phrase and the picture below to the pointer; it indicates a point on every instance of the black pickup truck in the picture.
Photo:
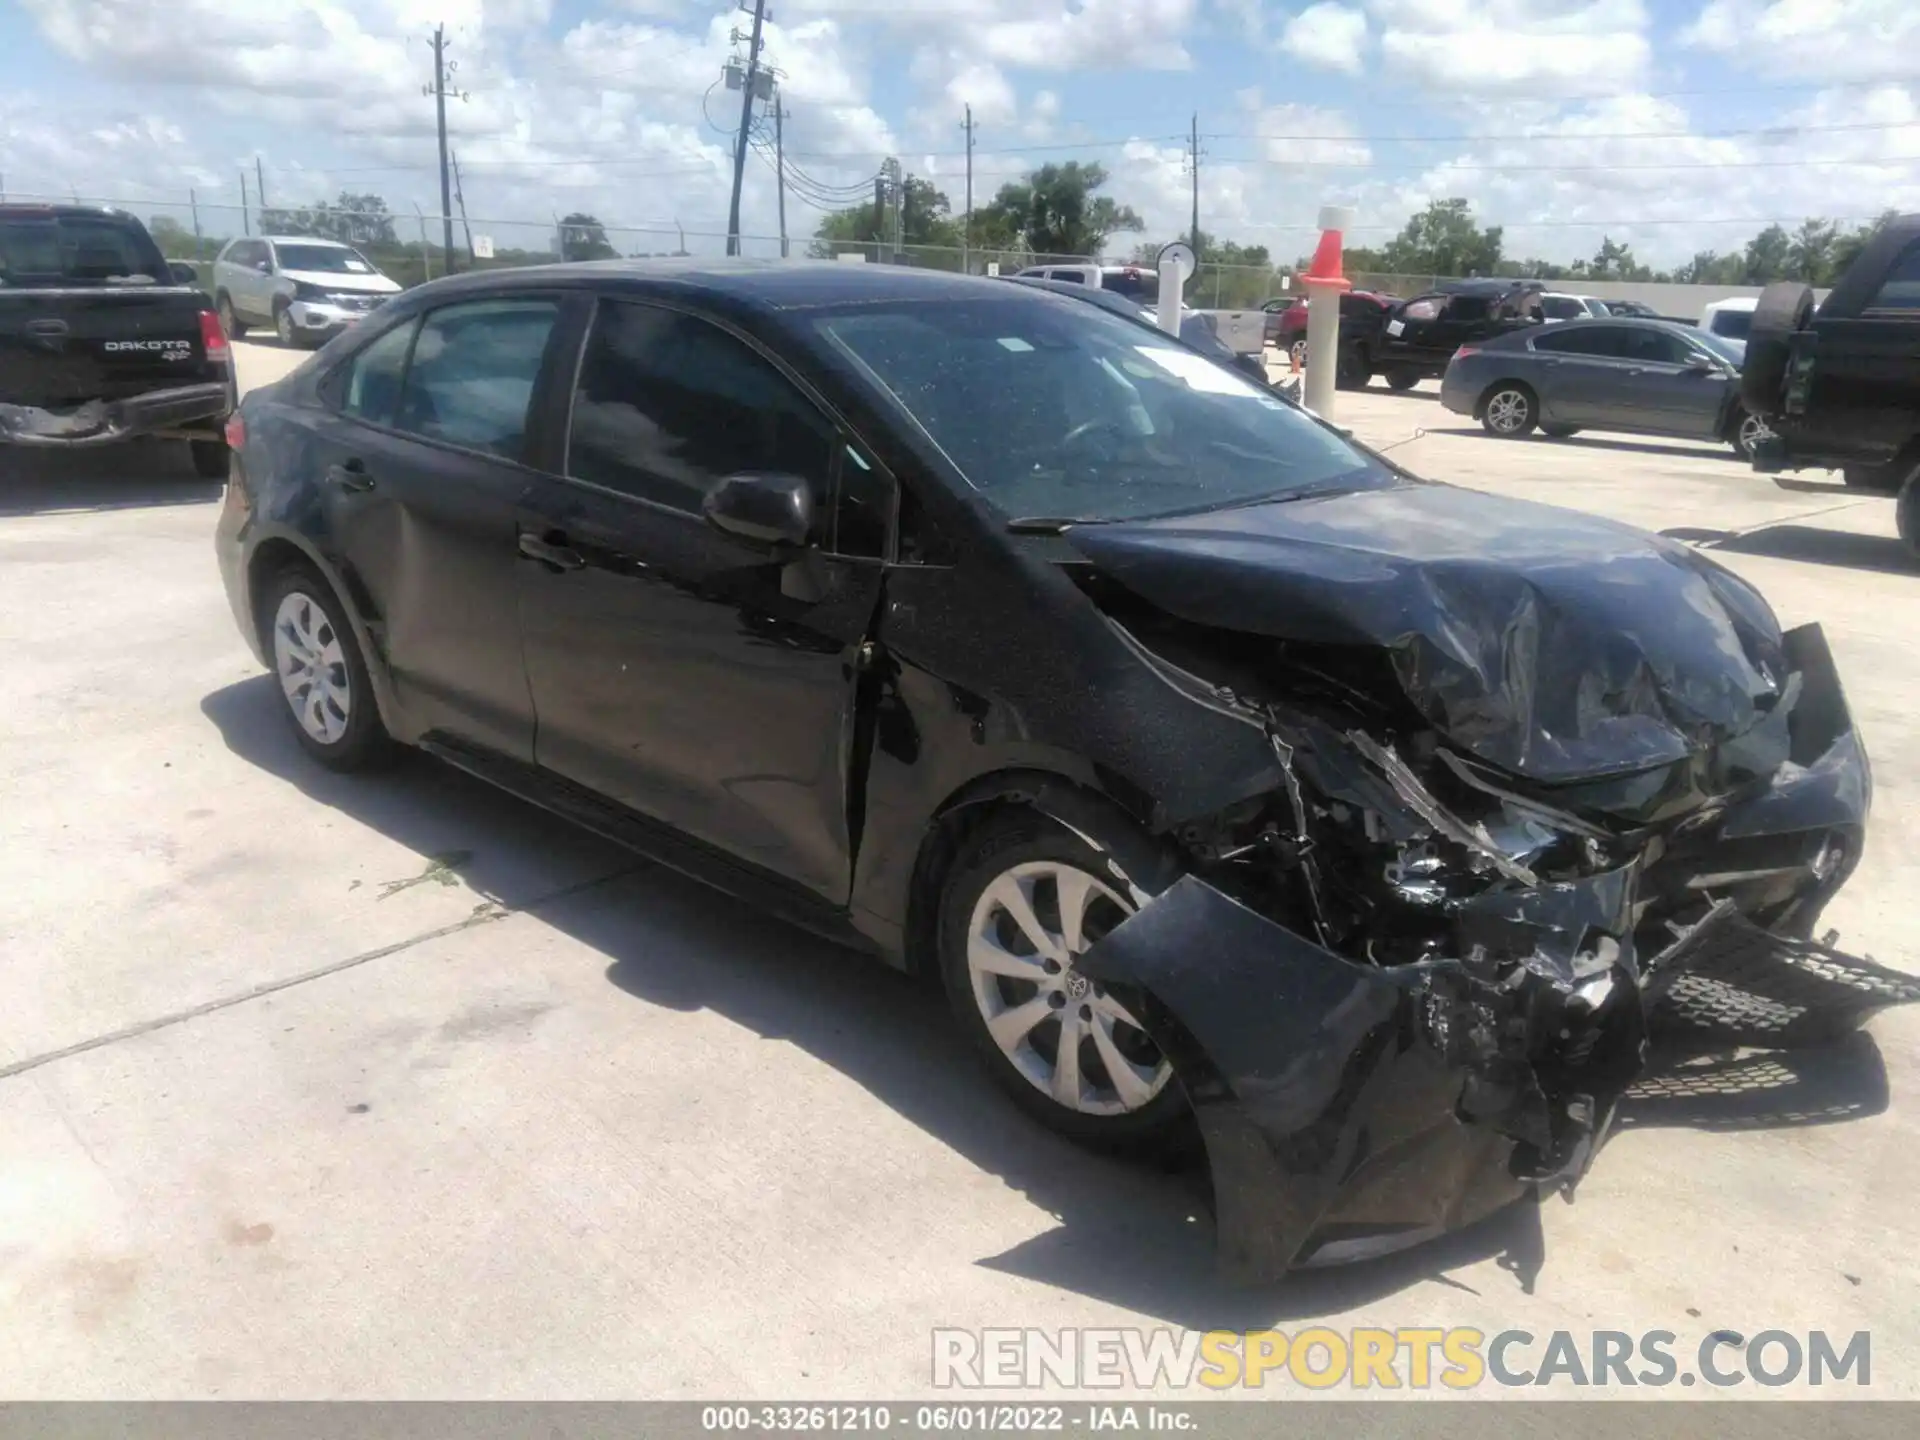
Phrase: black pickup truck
(1839, 384)
(1413, 340)
(101, 340)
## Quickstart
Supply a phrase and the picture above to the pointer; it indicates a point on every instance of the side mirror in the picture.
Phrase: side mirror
(265, 267)
(1702, 363)
(183, 273)
(769, 510)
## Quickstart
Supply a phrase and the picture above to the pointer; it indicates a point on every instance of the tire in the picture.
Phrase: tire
(1744, 431)
(1297, 352)
(1509, 411)
(341, 726)
(229, 322)
(1020, 852)
(284, 329)
(1784, 308)
(211, 459)
(1355, 368)
(1402, 379)
(1560, 432)
(1906, 514)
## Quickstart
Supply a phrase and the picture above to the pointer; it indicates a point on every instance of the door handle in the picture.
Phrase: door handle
(552, 551)
(351, 475)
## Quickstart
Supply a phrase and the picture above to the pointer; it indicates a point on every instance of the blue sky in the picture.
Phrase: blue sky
(1676, 125)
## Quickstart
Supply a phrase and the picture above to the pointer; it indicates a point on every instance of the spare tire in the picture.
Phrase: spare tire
(1784, 308)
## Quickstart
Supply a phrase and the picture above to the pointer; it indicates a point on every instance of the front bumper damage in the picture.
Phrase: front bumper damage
(107, 422)
(1351, 1107)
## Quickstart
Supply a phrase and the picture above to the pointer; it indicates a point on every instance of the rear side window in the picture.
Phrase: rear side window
(669, 403)
(1561, 307)
(1901, 289)
(1073, 277)
(1599, 340)
(368, 387)
(473, 373)
(1734, 324)
(77, 250)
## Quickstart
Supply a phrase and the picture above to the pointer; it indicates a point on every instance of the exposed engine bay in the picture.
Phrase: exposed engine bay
(1511, 839)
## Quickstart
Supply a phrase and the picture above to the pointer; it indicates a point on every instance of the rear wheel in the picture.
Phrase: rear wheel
(1297, 353)
(1746, 432)
(1509, 411)
(211, 459)
(1559, 432)
(1354, 370)
(1402, 379)
(229, 322)
(1022, 901)
(321, 672)
(1906, 514)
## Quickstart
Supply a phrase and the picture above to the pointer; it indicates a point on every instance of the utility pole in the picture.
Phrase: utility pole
(441, 71)
(780, 164)
(966, 230)
(746, 123)
(246, 228)
(460, 199)
(193, 204)
(260, 189)
(1193, 153)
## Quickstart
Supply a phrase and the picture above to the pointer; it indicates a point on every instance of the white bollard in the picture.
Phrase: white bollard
(1172, 280)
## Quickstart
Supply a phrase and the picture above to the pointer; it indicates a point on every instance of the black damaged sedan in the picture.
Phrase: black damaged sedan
(1232, 780)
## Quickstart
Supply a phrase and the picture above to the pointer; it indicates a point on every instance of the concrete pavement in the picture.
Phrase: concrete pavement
(395, 1087)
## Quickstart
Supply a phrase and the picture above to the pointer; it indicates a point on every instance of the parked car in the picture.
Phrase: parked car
(308, 290)
(1647, 377)
(1731, 319)
(102, 340)
(1414, 339)
(1228, 776)
(1361, 312)
(1632, 310)
(1134, 282)
(1557, 305)
(1195, 327)
(1840, 382)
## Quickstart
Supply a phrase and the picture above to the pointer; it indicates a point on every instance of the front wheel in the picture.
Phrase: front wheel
(1354, 370)
(1022, 902)
(1402, 379)
(322, 674)
(1748, 430)
(229, 322)
(1560, 432)
(1510, 412)
(1297, 353)
(283, 327)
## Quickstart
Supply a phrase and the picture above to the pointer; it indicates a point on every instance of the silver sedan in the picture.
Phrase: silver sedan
(1648, 377)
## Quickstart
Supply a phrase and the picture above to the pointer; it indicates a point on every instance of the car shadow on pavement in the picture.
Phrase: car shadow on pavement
(138, 474)
(1594, 442)
(1759, 1090)
(1845, 548)
(1132, 1235)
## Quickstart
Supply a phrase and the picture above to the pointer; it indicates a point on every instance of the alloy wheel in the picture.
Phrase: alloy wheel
(312, 666)
(1297, 353)
(1507, 412)
(1751, 432)
(1070, 1038)
(283, 325)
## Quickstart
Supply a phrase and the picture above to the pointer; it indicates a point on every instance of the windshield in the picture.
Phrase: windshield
(1063, 411)
(1734, 352)
(78, 250)
(1734, 324)
(332, 259)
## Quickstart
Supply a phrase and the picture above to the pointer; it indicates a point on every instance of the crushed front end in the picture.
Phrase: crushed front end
(1408, 987)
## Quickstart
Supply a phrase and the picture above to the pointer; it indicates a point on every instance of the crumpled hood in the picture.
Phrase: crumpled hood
(342, 282)
(1553, 644)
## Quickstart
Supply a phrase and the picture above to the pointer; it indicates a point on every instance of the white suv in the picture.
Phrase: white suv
(308, 290)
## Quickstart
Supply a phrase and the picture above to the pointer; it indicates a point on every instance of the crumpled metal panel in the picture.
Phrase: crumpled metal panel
(1554, 645)
(1728, 982)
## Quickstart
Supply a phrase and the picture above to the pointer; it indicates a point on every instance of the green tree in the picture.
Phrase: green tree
(1810, 256)
(582, 237)
(1444, 239)
(926, 219)
(352, 219)
(1614, 261)
(1767, 257)
(1054, 213)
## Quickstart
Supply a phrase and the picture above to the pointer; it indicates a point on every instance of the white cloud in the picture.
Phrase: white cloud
(1816, 39)
(1095, 34)
(1467, 48)
(1329, 35)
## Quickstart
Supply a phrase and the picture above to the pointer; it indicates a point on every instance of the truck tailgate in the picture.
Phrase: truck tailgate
(62, 347)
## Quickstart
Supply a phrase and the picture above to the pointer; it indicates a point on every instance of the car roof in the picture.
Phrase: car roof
(1732, 302)
(1491, 286)
(302, 240)
(21, 210)
(764, 284)
(1093, 295)
(1517, 339)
